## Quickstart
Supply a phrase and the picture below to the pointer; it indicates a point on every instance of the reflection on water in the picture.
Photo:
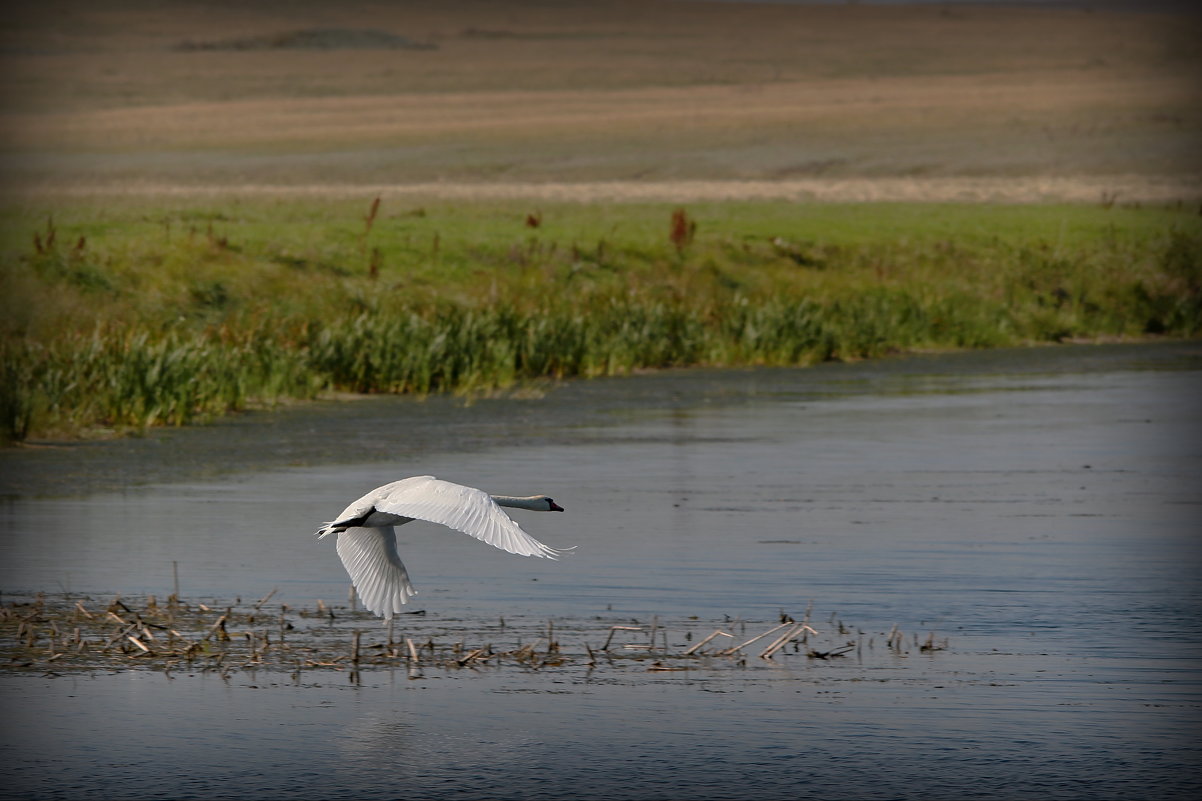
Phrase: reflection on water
(1038, 507)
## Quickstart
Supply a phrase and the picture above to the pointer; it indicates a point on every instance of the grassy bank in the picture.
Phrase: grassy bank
(125, 314)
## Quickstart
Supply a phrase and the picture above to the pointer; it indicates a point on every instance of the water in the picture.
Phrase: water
(1038, 508)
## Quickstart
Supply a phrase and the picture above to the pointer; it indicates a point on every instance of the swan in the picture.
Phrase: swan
(367, 538)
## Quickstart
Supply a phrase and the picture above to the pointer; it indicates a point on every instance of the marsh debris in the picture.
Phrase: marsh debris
(62, 633)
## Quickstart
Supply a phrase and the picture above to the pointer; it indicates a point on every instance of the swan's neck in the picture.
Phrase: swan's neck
(536, 503)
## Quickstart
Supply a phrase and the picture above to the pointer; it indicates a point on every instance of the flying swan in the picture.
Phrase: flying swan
(367, 538)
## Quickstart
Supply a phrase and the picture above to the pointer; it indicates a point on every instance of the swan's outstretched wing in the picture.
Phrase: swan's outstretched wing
(462, 508)
(369, 555)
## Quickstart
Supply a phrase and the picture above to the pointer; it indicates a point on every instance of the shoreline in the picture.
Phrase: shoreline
(528, 390)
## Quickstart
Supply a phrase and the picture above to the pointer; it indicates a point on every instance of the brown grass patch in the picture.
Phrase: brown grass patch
(660, 91)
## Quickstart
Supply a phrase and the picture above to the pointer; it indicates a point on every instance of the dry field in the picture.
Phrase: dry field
(603, 100)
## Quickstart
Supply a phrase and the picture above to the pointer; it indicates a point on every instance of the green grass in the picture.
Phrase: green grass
(128, 314)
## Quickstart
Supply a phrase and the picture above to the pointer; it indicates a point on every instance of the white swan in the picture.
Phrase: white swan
(367, 539)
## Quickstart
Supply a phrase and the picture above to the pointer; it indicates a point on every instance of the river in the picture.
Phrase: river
(1038, 509)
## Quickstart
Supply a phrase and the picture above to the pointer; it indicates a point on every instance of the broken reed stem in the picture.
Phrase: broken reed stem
(219, 625)
(698, 646)
(145, 648)
(780, 641)
(743, 645)
(476, 654)
(613, 629)
(265, 599)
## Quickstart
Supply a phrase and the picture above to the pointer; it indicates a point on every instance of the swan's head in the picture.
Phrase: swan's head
(535, 503)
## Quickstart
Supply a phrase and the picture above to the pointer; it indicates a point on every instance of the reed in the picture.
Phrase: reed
(63, 633)
(146, 326)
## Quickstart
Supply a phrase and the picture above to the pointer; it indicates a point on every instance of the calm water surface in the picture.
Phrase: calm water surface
(1038, 508)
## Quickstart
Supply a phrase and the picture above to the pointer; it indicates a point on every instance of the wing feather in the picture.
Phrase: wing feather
(465, 509)
(370, 557)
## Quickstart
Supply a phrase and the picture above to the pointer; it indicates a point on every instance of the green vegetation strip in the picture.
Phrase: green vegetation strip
(127, 314)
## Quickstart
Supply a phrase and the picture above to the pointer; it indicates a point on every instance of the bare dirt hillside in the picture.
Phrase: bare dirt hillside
(603, 99)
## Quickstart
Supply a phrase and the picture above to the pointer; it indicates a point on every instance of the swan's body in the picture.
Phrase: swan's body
(367, 538)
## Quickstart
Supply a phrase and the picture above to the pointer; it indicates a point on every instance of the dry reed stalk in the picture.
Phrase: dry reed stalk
(930, 644)
(778, 643)
(265, 599)
(781, 641)
(470, 656)
(730, 651)
(80, 608)
(526, 651)
(613, 629)
(219, 625)
(117, 637)
(412, 650)
(698, 646)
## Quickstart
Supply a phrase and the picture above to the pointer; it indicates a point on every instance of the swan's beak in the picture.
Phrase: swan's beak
(554, 506)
